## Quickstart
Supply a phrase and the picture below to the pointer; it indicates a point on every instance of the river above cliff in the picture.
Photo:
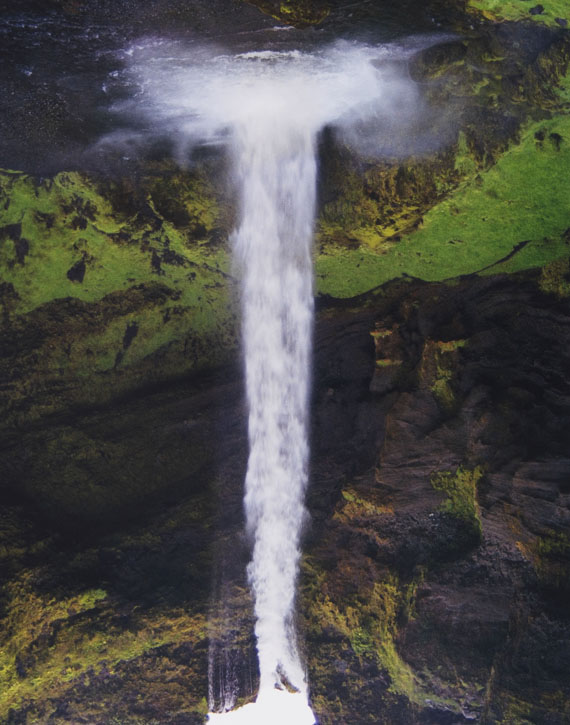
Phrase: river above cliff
(61, 62)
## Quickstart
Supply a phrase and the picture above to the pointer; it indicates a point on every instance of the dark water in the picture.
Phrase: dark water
(61, 63)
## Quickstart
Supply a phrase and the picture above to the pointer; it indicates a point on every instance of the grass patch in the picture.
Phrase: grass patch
(47, 644)
(65, 221)
(522, 198)
(460, 489)
(519, 10)
(154, 266)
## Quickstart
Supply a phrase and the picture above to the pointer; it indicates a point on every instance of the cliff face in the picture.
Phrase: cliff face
(435, 581)
(434, 587)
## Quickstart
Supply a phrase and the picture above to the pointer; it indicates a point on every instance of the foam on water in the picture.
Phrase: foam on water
(196, 95)
(274, 707)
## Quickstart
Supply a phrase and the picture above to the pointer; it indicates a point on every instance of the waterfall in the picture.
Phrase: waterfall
(268, 108)
(275, 166)
(277, 169)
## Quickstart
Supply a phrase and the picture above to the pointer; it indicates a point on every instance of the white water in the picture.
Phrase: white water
(276, 163)
(269, 108)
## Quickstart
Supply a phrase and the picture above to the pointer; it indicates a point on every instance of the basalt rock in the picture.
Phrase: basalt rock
(442, 564)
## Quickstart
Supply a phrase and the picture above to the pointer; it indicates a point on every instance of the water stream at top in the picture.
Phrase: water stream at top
(269, 108)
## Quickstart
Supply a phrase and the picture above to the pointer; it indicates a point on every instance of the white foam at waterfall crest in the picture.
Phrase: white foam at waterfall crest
(269, 108)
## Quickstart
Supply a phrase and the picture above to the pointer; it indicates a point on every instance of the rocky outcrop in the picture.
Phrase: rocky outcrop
(438, 585)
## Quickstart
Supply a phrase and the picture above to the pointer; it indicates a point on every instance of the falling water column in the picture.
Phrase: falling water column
(277, 175)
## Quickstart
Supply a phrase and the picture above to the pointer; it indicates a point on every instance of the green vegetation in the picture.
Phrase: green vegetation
(437, 370)
(520, 10)
(464, 162)
(370, 626)
(480, 227)
(460, 489)
(355, 504)
(48, 644)
(379, 628)
(555, 278)
(60, 635)
(65, 221)
(103, 278)
(298, 13)
(368, 621)
(550, 554)
(564, 90)
(63, 239)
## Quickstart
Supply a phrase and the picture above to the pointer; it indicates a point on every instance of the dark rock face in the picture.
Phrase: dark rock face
(444, 565)
(106, 597)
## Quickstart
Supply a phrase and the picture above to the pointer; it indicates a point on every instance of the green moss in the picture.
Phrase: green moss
(550, 554)
(519, 10)
(356, 504)
(48, 644)
(387, 363)
(370, 625)
(460, 489)
(355, 609)
(385, 603)
(437, 371)
(554, 278)
(444, 393)
(299, 13)
(98, 280)
(521, 199)
(464, 163)
(369, 622)
(555, 543)
(375, 207)
(67, 221)
(564, 89)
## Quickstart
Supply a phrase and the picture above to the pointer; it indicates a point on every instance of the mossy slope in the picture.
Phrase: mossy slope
(76, 644)
(554, 13)
(99, 278)
(493, 201)
(512, 216)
